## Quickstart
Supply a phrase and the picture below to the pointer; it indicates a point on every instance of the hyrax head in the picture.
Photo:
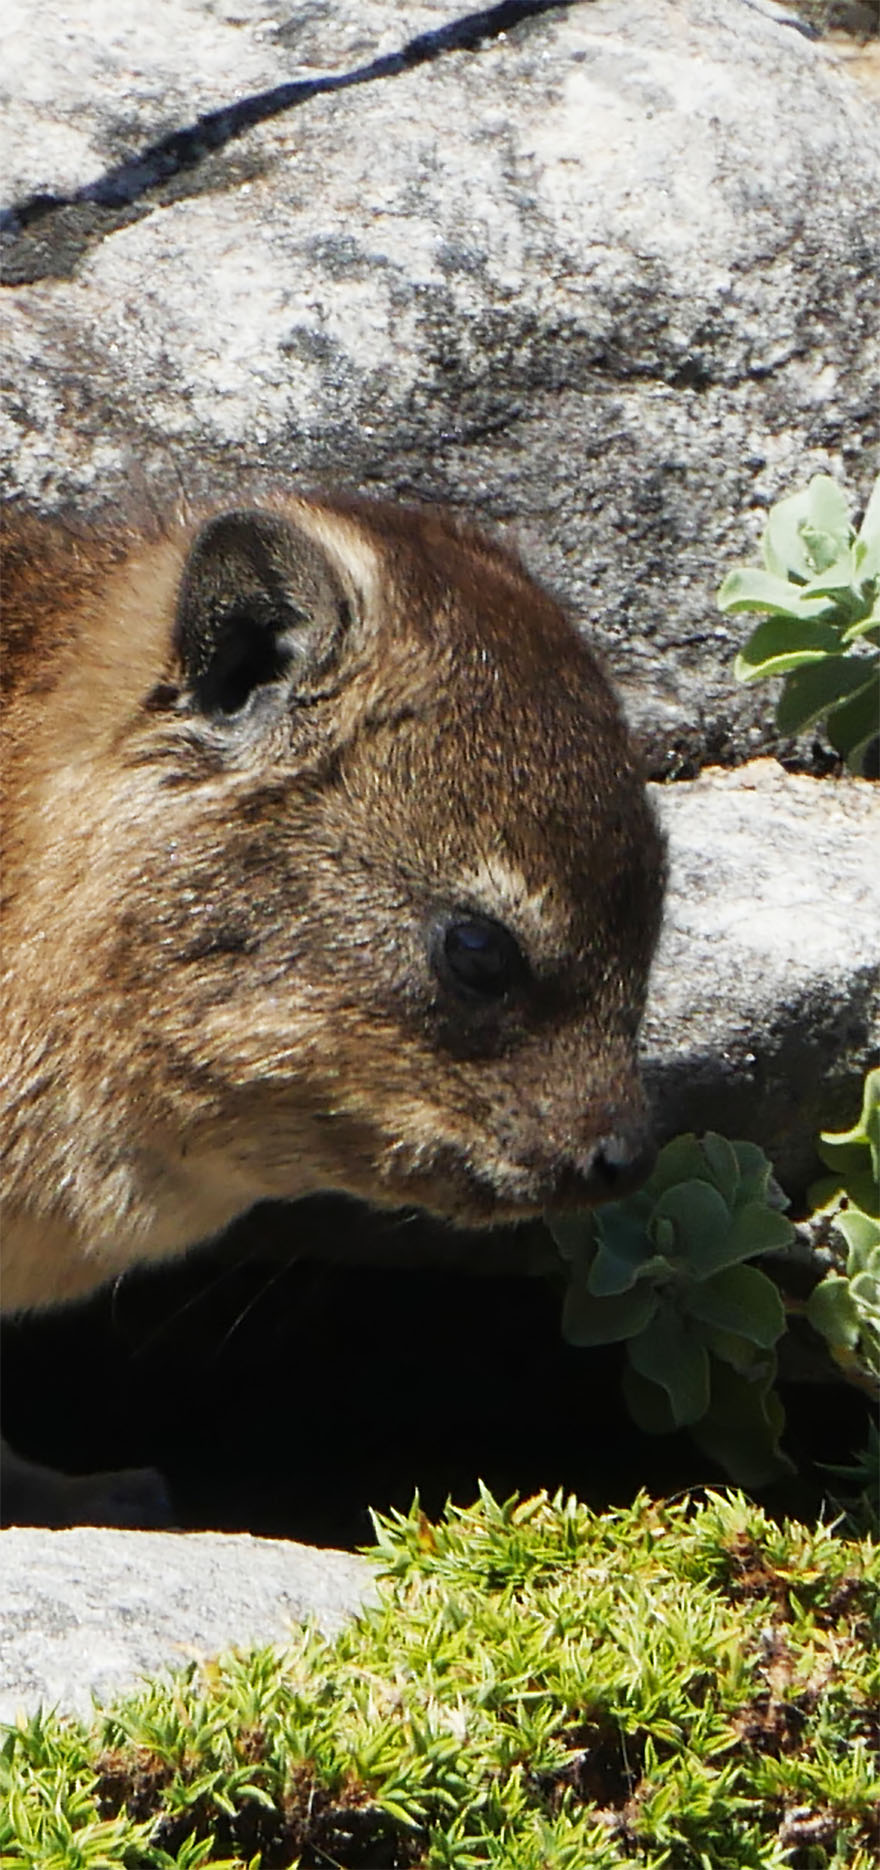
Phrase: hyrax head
(380, 885)
(416, 885)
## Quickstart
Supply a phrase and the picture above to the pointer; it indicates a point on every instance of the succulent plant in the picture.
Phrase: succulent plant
(845, 1306)
(819, 590)
(664, 1271)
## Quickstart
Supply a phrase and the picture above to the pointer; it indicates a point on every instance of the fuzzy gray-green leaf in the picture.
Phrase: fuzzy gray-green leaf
(701, 1220)
(756, 1229)
(865, 1133)
(574, 1235)
(742, 1426)
(742, 1354)
(865, 1288)
(722, 1161)
(647, 1402)
(827, 514)
(754, 1172)
(837, 575)
(624, 1252)
(587, 1320)
(862, 1235)
(668, 1352)
(740, 1299)
(868, 539)
(832, 1311)
(863, 626)
(853, 727)
(680, 1160)
(809, 693)
(792, 623)
(782, 546)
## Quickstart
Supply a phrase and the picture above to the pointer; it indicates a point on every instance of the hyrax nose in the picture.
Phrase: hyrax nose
(615, 1166)
(622, 1162)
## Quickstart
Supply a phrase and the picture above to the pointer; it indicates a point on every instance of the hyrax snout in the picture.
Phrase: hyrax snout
(328, 867)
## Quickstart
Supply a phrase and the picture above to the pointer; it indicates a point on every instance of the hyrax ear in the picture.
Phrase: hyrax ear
(259, 604)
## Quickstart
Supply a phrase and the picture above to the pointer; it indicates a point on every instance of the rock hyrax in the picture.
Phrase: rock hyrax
(327, 866)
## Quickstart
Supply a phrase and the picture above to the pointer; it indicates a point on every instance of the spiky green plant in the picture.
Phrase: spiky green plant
(537, 1687)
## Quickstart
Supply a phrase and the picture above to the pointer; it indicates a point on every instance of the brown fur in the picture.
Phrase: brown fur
(218, 978)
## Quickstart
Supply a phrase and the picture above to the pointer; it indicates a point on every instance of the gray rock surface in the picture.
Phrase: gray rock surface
(88, 1611)
(765, 1000)
(603, 273)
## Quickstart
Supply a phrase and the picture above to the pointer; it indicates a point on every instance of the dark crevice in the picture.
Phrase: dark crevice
(109, 202)
(780, 18)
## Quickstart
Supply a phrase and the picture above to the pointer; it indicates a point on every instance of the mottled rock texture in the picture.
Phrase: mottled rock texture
(88, 1611)
(602, 273)
(765, 1002)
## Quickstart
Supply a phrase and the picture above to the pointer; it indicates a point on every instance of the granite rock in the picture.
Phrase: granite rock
(86, 1611)
(764, 1008)
(603, 275)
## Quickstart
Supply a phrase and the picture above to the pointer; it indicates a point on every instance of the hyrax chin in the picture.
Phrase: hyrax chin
(327, 867)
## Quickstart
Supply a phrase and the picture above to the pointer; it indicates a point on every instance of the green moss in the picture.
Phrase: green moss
(538, 1688)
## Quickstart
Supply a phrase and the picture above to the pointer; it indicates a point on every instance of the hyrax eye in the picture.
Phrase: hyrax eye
(477, 958)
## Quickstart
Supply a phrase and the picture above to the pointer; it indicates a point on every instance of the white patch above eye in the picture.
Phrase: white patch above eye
(499, 888)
